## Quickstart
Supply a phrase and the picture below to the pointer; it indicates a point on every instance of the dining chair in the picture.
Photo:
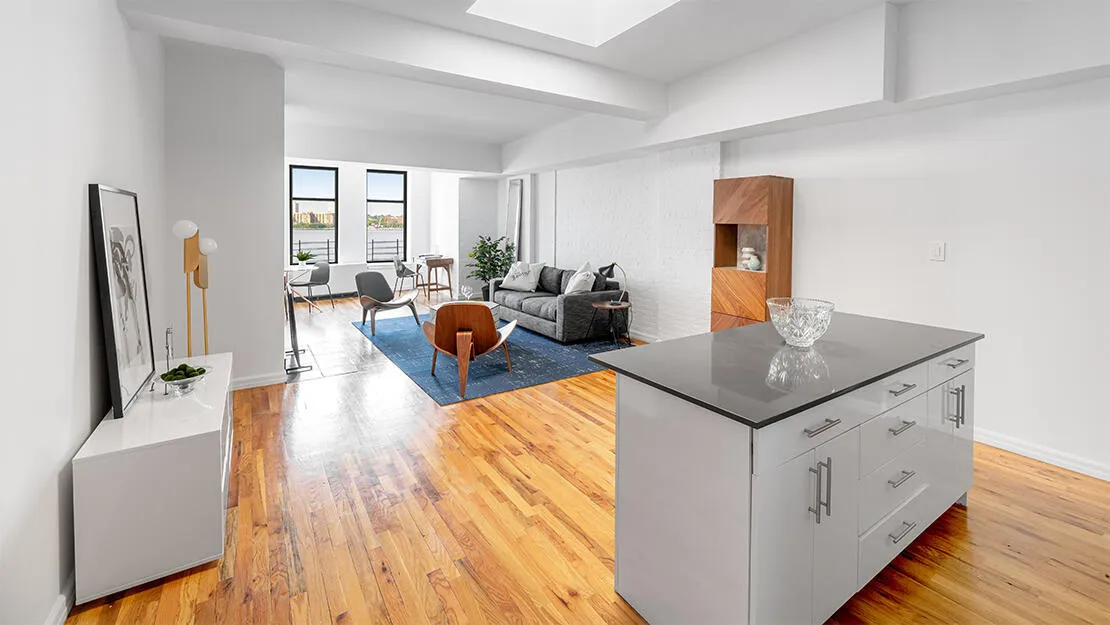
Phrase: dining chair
(320, 276)
(403, 273)
(464, 331)
(374, 294)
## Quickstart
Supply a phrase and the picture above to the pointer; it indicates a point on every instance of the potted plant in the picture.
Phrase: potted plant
(491, 258)
(303, 257)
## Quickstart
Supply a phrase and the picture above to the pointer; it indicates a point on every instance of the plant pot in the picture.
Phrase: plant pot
(485, 293)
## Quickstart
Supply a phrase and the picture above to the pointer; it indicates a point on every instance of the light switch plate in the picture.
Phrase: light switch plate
(936, 251)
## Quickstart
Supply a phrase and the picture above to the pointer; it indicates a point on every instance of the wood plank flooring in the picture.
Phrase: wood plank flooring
(356, 499)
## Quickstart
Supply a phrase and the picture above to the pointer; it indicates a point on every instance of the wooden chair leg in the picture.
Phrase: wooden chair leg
(462, 342)
(508, 361)
(450, 287)
(435, 354)
(416, 317)
(373, 319)
(364, 315)
(396, 281)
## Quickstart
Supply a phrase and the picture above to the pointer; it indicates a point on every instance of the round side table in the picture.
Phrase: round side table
(615, 310)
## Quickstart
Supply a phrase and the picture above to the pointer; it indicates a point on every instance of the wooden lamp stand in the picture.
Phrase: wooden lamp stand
(195, 265)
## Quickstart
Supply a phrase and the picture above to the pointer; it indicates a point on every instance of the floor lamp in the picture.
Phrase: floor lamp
(196, 252)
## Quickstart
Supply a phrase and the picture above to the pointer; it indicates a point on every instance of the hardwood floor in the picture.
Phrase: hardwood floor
(356, 499)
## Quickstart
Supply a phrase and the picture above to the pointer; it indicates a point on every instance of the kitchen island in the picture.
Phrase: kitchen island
(760, 483)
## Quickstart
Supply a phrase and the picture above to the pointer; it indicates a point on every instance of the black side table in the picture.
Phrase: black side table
(615, 310)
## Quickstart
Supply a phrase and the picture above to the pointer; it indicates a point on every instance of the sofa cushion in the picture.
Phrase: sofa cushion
(541, 306)
(550, 280)
(514, 299)
(599, 281)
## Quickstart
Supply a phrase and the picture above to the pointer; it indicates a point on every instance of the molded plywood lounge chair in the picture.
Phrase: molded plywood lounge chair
(374, 293)
(464, 331)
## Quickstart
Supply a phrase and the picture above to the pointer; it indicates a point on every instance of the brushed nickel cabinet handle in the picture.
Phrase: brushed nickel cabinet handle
(811, 432)
(828, 485)
(956, 363)
(816, 507)
(902, 391)
(902, 428)
(954, 392)
(907, 527)
(895, 483)
(962, 410)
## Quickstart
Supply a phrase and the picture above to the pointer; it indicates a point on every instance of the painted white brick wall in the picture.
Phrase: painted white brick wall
(654, 216)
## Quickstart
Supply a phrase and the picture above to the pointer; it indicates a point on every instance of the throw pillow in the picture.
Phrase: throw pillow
(582, 281)
(522, 276)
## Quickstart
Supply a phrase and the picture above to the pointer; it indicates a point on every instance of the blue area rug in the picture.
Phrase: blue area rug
(536, 360)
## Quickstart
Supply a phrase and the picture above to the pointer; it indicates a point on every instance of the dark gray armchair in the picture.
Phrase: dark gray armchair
(404, 273)
(375, 294)
(320, 276)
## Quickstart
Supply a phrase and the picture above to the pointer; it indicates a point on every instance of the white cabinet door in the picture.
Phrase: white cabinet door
(836, 542)
(963, 446)
(951, 416)
(782, 543)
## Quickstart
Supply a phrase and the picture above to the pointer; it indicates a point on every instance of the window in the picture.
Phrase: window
(314, 212)
(386, 212)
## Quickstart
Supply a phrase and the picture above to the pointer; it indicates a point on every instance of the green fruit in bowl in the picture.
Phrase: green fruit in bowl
(181, 372)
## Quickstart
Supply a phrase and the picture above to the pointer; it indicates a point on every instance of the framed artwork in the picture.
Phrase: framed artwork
(513, 212)
(121, 278)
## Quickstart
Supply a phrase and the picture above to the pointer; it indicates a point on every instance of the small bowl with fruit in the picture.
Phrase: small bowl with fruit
(184, 377)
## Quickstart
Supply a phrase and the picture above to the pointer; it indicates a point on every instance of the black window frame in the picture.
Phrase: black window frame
(293, 198)
(404, 202)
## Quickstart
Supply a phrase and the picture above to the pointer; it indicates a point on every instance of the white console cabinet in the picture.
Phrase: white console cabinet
(150, 489)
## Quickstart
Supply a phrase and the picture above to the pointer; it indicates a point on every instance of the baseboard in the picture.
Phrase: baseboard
(62, 604)
(1044, 454)
(265, 379)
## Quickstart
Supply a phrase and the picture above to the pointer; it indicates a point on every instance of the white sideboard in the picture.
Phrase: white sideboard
(150, 489)
(719, 522)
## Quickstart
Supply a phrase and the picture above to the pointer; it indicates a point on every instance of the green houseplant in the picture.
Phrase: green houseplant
(490, 258)
(304, 256)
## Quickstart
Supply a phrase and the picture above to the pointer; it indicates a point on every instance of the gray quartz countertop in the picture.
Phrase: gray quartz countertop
(751, 375)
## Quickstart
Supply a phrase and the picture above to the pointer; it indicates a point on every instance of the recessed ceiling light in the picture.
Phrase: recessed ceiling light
(588, 22)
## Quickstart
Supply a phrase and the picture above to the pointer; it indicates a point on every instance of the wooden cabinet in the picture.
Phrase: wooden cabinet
(804, 528)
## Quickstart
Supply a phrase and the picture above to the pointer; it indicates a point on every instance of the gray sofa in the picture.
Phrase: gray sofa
(551, 312)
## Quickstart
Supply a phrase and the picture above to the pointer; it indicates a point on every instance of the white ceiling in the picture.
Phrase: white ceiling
(330, 96)
(683, 39)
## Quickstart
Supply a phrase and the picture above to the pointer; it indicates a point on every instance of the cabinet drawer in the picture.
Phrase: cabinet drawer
(777, 443)
(950, 364)
(890, 536)
(793, 436)
(892, 484)
(892, 433)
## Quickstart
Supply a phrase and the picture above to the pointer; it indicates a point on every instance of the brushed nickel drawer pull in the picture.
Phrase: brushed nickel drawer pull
(895, 483)
(902, 428)
(956, 363)
(829, 423)
(816, 507)
(907, 527)
(902, 391)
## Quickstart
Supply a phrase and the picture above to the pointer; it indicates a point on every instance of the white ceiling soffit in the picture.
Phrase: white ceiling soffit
(588, 22)
(688, 37)
(355, 37)
(331, 96)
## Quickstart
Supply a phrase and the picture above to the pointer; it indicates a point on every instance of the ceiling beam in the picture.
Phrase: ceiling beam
(359, 38)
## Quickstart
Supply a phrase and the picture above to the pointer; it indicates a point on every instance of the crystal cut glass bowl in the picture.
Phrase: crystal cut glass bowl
(799, 320)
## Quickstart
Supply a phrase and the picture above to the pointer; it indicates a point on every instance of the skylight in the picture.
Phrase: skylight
(588, 22)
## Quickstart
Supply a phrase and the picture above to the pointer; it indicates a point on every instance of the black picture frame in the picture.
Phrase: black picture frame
(124, 303)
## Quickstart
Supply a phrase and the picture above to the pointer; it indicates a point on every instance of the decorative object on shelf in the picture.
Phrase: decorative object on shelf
(753, 263)
(513, 209)
(121, 280)
(795, 368)
(800, 320)
(608, 271)
(490, 258)
(195, 264)
(183, 378)
(745, 255)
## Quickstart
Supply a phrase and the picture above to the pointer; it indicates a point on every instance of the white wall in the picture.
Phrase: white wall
(444, 210)
(83, 105)
(478, 202)
(352, 219)
(1018, 188)
(654, 216)
(224, 170)
(365, 146)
